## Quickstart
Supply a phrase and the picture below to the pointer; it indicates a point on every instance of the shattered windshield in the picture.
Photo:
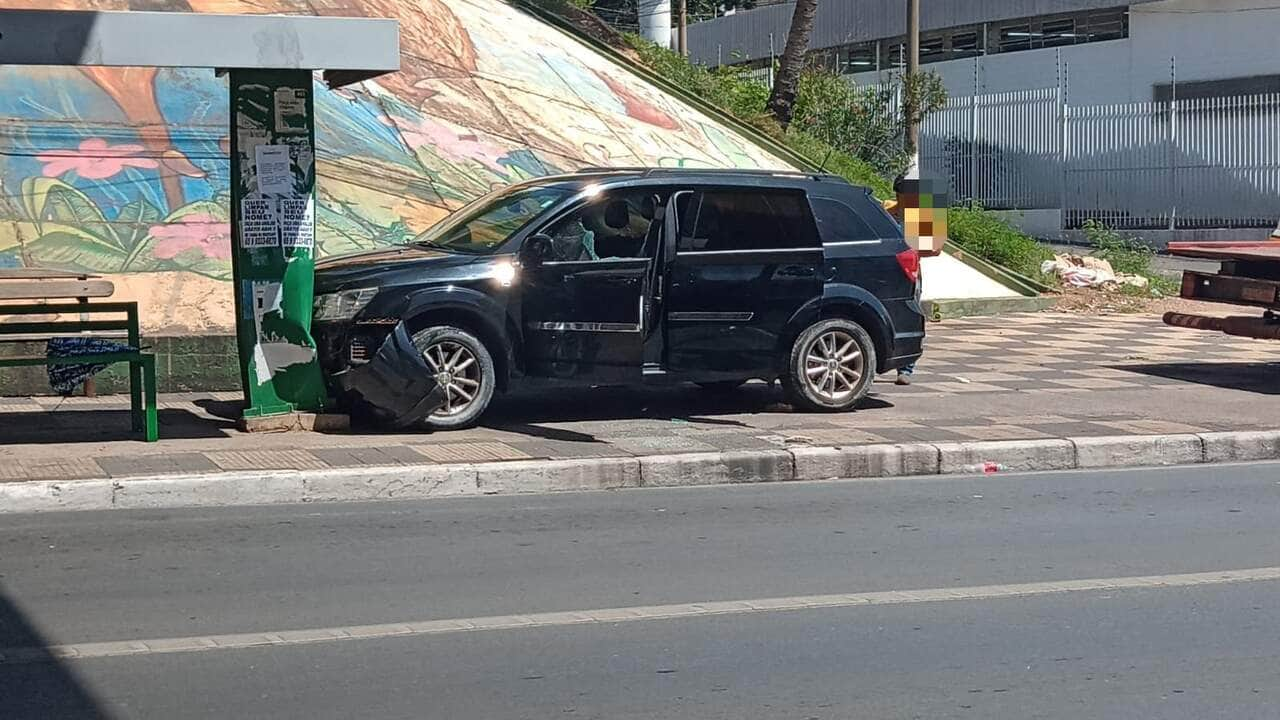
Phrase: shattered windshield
(485, 224)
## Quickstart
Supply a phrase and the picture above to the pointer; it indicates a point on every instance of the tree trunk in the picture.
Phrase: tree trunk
(782, 99)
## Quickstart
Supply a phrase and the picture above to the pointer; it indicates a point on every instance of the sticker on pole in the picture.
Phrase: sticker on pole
(291, 110)
(274, 175)
(298, 222)
(258, 225)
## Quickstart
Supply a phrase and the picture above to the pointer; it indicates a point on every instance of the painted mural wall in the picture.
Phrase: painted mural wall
(124, 172)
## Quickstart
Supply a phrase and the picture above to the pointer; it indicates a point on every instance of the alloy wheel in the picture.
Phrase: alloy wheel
(833, 366)
(457, 372)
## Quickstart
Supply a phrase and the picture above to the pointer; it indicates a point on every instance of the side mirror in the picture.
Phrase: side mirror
(535, 251)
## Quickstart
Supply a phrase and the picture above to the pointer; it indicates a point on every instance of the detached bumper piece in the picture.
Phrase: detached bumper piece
(397, 385)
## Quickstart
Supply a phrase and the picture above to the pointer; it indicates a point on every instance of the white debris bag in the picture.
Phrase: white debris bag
(1084, 271)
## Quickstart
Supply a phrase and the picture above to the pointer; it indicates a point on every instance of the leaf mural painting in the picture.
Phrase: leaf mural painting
(72, 232)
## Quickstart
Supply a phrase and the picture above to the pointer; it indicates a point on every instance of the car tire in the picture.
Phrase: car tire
(464, 359)
(830, 367)
(721, 386)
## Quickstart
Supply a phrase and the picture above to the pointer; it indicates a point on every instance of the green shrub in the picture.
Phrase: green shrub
(1127, 255)
(857, 121)
(992, 238)
(833, 161)
(744, 98)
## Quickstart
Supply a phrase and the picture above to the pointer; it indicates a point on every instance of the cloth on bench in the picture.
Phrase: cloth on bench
(64, 379)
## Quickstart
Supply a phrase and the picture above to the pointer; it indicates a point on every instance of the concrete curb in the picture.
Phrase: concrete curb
(501, 478)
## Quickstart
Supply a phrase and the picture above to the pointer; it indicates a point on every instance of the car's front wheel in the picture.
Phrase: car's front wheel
(831, 366)
(463, 368)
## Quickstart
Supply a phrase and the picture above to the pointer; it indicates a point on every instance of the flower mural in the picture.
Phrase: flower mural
(94, 159)
(125, 170)
(201, 233)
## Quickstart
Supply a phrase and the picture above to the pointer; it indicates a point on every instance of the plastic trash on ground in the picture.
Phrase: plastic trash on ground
(1085, 271)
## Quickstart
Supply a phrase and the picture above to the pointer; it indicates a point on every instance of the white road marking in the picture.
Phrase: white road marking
(285, 638)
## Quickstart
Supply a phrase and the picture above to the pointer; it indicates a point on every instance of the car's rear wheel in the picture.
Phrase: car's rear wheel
(831, 366)
(464, 369)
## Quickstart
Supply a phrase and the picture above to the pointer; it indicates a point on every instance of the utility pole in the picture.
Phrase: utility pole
(911, 101)
(682, 38)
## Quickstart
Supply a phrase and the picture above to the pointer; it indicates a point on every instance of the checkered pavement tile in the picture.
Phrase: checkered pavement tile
(996, 432)
(470, 452)
(265, 460)
(368, 456)
(69, 469)
(834, 437)
(1059, 354)
(169, 464)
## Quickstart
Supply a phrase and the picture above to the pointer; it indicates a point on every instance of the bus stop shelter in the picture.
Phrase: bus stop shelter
(269, 61)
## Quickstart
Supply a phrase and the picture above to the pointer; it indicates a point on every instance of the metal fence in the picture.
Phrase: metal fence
(1199, 163)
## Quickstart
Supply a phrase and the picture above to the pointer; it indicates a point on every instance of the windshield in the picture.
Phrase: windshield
(486, 223)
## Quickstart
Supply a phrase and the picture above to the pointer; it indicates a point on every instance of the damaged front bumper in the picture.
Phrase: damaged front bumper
(397, 385)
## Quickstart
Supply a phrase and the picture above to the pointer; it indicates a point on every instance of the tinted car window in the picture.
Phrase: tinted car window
(486, 224)
(612, 225)
(746, 220)
(838, 222)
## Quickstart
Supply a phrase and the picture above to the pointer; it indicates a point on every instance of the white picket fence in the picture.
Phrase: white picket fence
(1201, 163)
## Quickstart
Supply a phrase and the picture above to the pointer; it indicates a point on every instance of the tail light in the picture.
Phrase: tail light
(909, 261)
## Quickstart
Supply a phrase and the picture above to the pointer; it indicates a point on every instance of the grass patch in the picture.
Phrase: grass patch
(1127, 255)
(994, 239)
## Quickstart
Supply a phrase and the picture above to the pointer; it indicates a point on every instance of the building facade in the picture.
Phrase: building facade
(1152, 115)
(1106, 51)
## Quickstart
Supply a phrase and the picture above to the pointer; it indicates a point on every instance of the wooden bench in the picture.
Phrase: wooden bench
(51, 292)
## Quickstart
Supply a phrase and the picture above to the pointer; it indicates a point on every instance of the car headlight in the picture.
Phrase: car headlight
(342, 305)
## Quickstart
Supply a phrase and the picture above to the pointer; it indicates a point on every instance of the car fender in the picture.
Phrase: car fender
(842, 300)
(495, 319)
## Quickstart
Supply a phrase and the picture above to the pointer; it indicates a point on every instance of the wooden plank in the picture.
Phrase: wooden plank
(40, 289)
(61, 327)
(66, 308)
(42, 274)
(109, 358)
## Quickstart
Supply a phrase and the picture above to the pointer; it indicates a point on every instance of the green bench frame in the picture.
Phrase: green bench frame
(142, 366)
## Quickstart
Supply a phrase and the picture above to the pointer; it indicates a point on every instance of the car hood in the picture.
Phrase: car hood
(377, 267)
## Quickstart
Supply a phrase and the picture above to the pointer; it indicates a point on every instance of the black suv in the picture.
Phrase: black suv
(621, 276)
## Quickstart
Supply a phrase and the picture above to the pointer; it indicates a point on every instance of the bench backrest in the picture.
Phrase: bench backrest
(42, 284)
(55, 289)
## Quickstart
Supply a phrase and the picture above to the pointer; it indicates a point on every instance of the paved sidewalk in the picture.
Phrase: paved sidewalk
(1011, 378)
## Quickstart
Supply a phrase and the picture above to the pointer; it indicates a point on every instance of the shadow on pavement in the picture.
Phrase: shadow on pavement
(83, 424)
(224, 409)
(520, 412)
(38, 685)
(1263, 378)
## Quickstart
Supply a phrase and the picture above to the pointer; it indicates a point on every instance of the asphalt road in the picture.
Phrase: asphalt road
(980, 628)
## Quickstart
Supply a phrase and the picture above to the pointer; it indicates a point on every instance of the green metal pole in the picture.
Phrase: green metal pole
(273, 225)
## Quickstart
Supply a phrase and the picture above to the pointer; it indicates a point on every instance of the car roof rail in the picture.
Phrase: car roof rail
(748, 172)
(619, 169)
(648, 171)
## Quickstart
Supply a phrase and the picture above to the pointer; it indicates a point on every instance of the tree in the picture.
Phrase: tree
(786, 81)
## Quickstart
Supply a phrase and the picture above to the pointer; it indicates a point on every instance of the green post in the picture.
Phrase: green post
(273, 228)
